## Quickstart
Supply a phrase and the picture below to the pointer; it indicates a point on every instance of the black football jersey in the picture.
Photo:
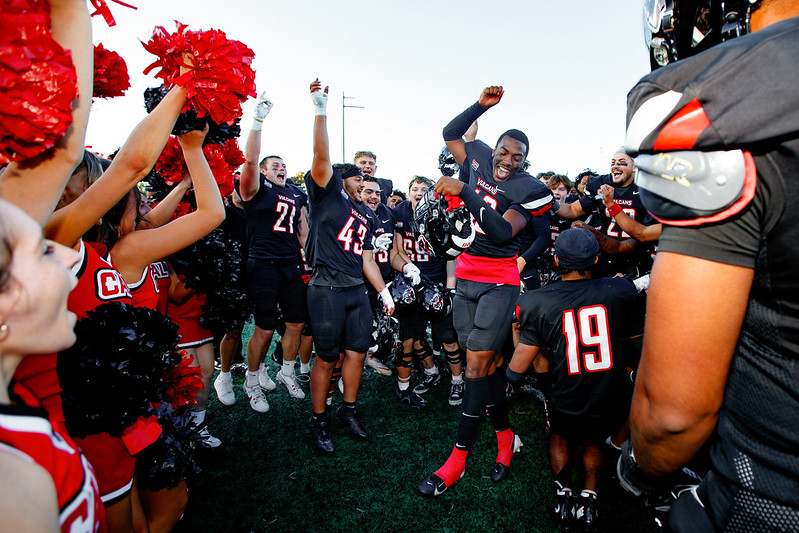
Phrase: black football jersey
(745, 92)
(383, 223)
(273, 216)
(431, 266)
(583, 325)
(341, 228)
(520, 192)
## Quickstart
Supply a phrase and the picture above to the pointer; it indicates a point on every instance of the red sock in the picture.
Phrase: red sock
(451, 471)
(504, 446)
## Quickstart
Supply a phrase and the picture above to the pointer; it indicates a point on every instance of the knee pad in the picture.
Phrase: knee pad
(403, 360)
(453, 357)
(424, 352)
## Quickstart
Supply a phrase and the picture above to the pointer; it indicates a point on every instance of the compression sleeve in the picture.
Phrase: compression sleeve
(543, 238)
(458, 125)
(497, 228)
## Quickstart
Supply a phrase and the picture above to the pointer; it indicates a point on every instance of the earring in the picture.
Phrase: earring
(3, 330)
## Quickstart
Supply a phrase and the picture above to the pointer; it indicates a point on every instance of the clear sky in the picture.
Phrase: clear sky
(566, 68)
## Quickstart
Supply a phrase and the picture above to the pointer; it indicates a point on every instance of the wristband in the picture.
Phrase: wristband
(614, 209)
(257, 125)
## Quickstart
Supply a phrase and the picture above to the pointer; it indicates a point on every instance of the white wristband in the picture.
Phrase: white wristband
(257, 125)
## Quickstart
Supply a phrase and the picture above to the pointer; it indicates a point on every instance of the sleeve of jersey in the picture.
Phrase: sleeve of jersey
(734, 242)
(497, 228)
(542, 240)
(457, 126)
(537, 201)
(731, 96)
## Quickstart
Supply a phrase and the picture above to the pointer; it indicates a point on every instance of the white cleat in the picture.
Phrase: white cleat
(291, 385)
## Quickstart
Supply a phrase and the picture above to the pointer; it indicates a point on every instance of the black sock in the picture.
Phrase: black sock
(475, 398)
(497, 407)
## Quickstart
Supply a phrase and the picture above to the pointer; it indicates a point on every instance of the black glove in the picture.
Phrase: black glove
(656, 492)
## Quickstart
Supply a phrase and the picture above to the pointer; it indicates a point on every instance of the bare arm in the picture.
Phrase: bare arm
(29, 503)
(133, 252)
(629, 225)
(570, 211)
(36, 184)
(608, 245)
(302, 229)
(162, 213)
(523, 357)
(680, 381)
(398, 256)
(250, 180)
(321, 168)
(131, 165)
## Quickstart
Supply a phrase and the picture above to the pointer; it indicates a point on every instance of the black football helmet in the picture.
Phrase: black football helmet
(447, 164)
(402, 292)
(443, 225)
(676, 29)
(385, 334)
(434, 300)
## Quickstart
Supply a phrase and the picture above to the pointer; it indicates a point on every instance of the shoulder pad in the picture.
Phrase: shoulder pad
(689, 188)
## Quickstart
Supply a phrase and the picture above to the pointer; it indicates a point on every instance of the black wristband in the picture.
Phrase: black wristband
(513, 378)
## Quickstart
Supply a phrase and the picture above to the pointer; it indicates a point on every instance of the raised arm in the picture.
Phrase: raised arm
(460, 125)
(632, 227)
(136, 250)
(250, 180)
(162, 213)
(36, 184)
(131, 165)
(321, 168)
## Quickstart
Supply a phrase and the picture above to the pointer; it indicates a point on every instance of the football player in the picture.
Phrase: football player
(718, 165)
(367, 162)
(502, 199)
(276, 221)
(580, 323)
(341, 254)
(414, 326)
(627, 256)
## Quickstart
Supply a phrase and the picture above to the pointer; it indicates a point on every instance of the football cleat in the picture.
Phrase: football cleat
(377, 365)
(265, 381)
(500, 470)
(428, 381)
(409, 397)
(564, 506)
(207, 440)
(349, 417)
(257, 399)
(291, 385)
(321, 435)
(223, 385)
(586, 513)
(433, 485)
(456, 393)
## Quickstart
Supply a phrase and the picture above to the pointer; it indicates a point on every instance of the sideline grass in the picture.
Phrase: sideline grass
(268, 476)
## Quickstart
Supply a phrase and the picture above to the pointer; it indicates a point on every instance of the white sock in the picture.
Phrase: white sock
(287, 368)
(457, 379)
(224, 376)
(403, 385)
(431, 371)
(262, 367)
(305, 368)
(252, 379)
(586, 492)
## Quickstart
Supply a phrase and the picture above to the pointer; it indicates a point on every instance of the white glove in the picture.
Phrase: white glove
(383, 242)
(262, 108)
(412, 272)
(642, 283)
(319, 99)
(386, 298)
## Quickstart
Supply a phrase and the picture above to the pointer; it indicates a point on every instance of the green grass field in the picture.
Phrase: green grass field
(268, 476)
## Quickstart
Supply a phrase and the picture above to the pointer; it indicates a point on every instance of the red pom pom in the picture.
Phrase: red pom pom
(182, 382)
(110, 73)
(219, 76)
(37, 82)
(101, 8)
(171, 164)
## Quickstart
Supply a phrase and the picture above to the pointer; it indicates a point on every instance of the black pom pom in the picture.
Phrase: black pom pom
(113, 372)
(213, 266)
(188, 121)
(170, 459)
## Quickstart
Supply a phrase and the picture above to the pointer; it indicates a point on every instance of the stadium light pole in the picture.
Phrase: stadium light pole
(344, 106)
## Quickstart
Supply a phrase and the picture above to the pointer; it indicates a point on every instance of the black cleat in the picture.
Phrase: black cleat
(501, 471)
(277, 353)
(586, 513)
(409, 397)
(564, 509)
(348, 416)
(427, 382)
(321, 435)
(433, 485)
